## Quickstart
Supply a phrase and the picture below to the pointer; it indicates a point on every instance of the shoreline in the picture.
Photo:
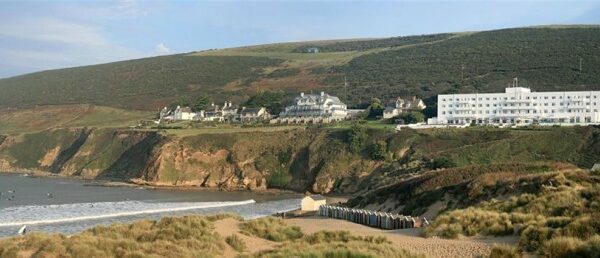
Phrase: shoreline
(145, 185)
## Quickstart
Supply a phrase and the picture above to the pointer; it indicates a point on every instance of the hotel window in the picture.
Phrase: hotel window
(545, 104)
(553, 97)
(495, 99)
(443, 112)
(480, 98)
(560, 97)
(487, 98)
(534, 97)
(487, 105)
(480, 105)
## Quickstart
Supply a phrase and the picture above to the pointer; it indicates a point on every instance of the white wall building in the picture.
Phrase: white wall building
(316, 106)
(518, 105)
(186, 113)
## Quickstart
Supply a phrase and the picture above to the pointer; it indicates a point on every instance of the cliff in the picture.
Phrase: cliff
(318, 160)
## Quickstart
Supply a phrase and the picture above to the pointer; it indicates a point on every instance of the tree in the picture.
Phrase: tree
(357, 137)
(412, 117)
(378, 151)
(201, 102)
(271, 100)
(376, 108)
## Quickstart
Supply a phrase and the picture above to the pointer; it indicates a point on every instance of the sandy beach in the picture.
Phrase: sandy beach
(409, 239)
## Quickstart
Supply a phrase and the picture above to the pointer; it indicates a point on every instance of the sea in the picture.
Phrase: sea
(62, 205)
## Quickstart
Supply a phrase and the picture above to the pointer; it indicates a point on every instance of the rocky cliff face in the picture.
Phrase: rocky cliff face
(300, 160)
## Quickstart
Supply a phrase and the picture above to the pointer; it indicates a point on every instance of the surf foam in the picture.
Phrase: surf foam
(62, 213)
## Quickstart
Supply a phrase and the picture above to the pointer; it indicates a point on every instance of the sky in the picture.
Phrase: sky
(42, 35)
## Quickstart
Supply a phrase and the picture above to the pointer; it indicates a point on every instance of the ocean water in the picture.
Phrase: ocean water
(69, 205)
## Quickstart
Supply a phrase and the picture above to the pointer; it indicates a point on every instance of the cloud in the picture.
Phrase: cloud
(130, 8)
(162, 49)
(50, 30)
(49, 43)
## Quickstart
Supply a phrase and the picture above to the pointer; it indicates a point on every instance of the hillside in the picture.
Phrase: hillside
(319, 160)
(544, 58)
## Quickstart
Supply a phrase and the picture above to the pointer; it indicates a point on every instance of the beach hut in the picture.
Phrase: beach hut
(312, 202)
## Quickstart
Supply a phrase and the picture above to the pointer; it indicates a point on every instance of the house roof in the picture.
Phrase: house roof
(251, 110)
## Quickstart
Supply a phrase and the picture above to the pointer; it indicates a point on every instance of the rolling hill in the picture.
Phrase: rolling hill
(544, 58)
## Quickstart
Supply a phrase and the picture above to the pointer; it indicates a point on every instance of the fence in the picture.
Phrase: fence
(382, 220)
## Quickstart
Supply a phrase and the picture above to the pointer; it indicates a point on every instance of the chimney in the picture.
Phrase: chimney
(414, 98)
(322, 93)
(301, 94)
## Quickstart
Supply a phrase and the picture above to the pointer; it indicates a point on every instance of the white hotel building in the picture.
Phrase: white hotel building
(518, 105)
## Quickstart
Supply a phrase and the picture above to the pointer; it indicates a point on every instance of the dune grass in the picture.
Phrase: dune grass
(559, 215)
(194, 236)
(236, 243)
(337, 244)
(270, 228)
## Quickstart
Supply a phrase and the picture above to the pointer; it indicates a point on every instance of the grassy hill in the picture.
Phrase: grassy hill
(545, 58)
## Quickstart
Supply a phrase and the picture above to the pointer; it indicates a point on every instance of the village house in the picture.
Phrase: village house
(254, 114)
(395, 108)
(313, 108)
(312, 202)
(221, 114)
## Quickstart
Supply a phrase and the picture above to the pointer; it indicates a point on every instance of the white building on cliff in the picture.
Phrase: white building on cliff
(518, 105)
(314, 108)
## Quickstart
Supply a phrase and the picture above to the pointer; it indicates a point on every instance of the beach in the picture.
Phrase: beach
(409, 239)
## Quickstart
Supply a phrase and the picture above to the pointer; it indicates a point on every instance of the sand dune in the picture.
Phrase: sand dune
(409, 239)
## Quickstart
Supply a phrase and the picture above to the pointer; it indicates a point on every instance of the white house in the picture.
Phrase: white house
(315, 108)
(216, 113)
(519, 105)
(254, 114)
(312, 202)
(403, 105)
(186, 113)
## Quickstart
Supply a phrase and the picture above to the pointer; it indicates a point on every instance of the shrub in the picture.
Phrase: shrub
(505, 251)
(561, 247)
(236, 242)
(378, 151)
(533, 237)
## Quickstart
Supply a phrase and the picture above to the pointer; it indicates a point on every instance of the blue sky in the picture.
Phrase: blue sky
(41, 35)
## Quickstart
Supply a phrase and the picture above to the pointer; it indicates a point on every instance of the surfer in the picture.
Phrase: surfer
(50, 195)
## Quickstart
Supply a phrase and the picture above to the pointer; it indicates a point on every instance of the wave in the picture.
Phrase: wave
(90, 211)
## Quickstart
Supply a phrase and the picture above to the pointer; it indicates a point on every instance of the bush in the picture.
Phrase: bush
(412, 118)
(561, 247)
(236, 242)
(378, 151)
(505, 251)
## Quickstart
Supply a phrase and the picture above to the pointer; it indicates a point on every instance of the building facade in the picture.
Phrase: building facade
(396, 108)
(518, 105)
(314, 108)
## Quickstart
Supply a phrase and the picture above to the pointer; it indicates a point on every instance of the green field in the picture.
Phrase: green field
(41, 118)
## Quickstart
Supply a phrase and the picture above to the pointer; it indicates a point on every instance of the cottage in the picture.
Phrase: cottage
(186, 113)
(401, 105)
(312, 202)
(254, 114)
